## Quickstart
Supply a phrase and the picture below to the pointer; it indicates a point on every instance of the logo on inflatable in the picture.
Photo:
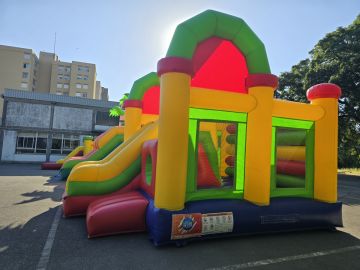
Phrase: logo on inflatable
(187, 224)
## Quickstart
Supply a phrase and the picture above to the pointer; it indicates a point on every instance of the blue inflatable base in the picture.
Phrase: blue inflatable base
(283, 214)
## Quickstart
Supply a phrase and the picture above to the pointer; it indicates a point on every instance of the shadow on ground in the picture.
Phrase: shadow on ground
(38, 195)
(21, 246)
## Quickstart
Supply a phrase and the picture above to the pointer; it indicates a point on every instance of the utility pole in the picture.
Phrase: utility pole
(55, 43)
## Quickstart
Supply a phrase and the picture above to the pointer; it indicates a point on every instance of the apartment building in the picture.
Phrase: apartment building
(22, 69)
(101, 92)
(18, 70)
(75, 79)
(104, 94)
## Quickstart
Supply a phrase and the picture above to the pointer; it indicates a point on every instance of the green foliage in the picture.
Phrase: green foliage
(291, 84)
(117, 111)
(335, 59)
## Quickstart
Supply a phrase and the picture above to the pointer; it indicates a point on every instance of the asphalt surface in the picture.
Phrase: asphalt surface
(30, 198)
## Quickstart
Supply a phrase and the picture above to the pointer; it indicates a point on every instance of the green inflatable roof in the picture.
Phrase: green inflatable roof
(213, 23)
(141, 85)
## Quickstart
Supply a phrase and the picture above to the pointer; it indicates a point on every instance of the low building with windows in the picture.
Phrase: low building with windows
(39, 127)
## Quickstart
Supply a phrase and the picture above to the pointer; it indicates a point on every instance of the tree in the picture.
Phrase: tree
(117, 111)
(335, 59)
(291, 84)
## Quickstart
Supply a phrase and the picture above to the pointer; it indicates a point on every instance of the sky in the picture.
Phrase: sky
(125, 39)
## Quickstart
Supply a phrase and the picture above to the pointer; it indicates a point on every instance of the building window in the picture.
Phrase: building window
(66, 77)
(81, 94)
(25, 143)
(26, 65)
(60, 77)
(78, 85)
(59, 93)
(59, 85)
(60, 69)
(25, 75)
(41, 142)
(31, 143)
(63, 144)
(79, 77)
(86, 77)
(27, 56)
(85, 86)
(66, 86)
(24, 85)
(67, 69)
(83, 69)
(103, 118)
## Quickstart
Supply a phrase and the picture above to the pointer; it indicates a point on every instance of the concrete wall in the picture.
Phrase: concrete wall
(101, 128)
(29, 158)
(9, 145)
(72, 118)
(27, 115)
(54, 158)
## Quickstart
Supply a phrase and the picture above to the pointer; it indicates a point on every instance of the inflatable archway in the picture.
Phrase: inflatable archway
(211, 23)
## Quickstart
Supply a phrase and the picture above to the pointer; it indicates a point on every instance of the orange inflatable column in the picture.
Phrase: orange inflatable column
(258, 139)
(172, 156)
(133, 113)
(326, 95)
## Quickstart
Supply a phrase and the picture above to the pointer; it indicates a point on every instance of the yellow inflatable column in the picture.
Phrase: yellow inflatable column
(88, 145)
(171, 169)
(258, 139)
(133, 114)
(325, 95)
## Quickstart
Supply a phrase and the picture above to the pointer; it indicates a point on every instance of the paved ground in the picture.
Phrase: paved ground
(30, 199)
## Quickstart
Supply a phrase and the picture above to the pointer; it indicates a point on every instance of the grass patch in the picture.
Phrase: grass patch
(350, 171)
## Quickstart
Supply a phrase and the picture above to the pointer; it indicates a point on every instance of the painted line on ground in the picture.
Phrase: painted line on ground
(46, 252)
(287, 258)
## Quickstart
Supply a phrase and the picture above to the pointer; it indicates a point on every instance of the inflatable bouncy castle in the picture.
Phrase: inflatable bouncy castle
(79, 151)
(209, 152)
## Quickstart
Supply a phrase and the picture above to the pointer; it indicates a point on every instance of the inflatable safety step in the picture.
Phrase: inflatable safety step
(51, 166)
(117, 214)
